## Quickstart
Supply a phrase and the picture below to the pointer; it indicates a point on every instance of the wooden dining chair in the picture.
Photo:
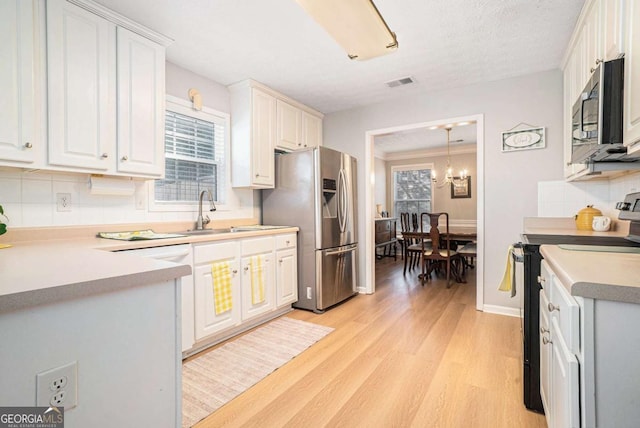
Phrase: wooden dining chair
(411, 248)
(440, 252)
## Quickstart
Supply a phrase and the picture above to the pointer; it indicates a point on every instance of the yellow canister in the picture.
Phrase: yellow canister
(584, 218)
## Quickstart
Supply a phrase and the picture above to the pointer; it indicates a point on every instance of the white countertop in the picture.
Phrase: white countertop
(596, 275)
(34, 272)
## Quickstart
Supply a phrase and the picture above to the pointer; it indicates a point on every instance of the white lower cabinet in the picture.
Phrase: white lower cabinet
(589, 365)
(263, 284)
(207, 321)
(559, 346)
(258, 277)
(286, 269)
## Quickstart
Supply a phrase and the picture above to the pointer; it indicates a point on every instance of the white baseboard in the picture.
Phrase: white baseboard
(502, 310)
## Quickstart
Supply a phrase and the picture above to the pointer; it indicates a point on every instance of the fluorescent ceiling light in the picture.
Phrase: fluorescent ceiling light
(356, 25)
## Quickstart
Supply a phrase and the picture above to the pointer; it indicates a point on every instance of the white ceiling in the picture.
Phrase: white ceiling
(428, 140)
(443, 44)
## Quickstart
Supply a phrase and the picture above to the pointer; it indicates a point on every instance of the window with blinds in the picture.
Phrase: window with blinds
(412, 192)
(194, 157)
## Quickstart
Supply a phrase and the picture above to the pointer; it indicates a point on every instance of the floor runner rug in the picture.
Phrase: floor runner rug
(216, 377)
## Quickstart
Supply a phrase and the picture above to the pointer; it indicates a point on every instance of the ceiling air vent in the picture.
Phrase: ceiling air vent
(400, 82)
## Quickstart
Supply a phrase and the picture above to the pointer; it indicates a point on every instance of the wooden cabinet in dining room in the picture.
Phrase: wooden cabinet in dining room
(105, 92)
(385, 236)
(21, 142)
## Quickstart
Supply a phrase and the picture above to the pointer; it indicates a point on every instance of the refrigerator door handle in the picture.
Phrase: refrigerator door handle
(343, 203)
(341, 251)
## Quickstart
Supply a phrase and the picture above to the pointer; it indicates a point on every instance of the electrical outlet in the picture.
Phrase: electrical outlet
(63, 202)
(58, 386)
(308, 292)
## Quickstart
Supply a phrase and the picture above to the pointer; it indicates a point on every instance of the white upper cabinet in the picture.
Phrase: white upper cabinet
(289, 136)
(81, 54)
(613, 26)
(18, 25)
(311, 130)
(600, 35)
(106, 92)
(631, 124)
(140, 75)
(264, 120)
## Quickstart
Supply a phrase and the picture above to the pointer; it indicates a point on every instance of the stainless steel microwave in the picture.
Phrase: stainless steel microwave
(596, 134)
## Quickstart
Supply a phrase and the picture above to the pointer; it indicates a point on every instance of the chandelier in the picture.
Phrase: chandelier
(448, 175)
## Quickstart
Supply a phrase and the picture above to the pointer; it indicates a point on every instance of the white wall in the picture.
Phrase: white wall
(29, 198)
(459, 208)
(511, 179)
(380, 196)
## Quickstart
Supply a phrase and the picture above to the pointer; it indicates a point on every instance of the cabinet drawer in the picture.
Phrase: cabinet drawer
(286, 241)
(257, 245)
(204, 253)
(566, 311)
(382, 226)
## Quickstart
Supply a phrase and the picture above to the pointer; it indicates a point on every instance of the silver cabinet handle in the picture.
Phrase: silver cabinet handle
(246, 268)
(544, 330)
(104, 155)
(541, 279)
(546, 340)
(235, 271)
(552, 308)
(125, 158)
(280, 261)
(28, 145)
(287, 242)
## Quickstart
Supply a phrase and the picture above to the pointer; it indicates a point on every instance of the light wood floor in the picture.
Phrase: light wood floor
(406, 356)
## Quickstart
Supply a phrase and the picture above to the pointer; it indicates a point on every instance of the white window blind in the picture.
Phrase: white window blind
(194, 157)
(412, 191)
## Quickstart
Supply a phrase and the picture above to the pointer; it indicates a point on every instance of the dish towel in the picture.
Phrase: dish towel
(222, 295)
(507, 279)
(257, 279)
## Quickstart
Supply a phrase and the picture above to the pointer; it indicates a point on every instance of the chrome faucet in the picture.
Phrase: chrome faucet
(201, 222)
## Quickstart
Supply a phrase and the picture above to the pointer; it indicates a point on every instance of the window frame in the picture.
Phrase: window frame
(181, 106)
(411, 167)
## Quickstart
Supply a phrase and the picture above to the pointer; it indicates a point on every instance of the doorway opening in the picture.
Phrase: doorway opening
(370, 199)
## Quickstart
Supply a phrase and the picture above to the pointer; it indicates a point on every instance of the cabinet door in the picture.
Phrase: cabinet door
(17, 75)
(263, 134)
(612, 26)
(81, 64)
(286, 277)
(545, 359)
(631, 131)
(289, 135)
(207, 322)
(592, 40)
(311, 130)
(565, 383)
(255, 276)
(141, 89)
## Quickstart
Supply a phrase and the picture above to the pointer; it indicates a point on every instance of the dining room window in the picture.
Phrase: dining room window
(412, 191)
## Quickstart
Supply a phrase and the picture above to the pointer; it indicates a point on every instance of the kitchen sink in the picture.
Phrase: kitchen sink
(205, 231)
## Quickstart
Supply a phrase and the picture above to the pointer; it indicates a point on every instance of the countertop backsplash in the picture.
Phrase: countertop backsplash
(29, 200)
(565, 199)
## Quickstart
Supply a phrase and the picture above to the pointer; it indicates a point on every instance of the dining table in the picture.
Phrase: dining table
(459, 234)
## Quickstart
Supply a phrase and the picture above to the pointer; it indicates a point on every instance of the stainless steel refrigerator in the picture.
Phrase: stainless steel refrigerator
(316, 191)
